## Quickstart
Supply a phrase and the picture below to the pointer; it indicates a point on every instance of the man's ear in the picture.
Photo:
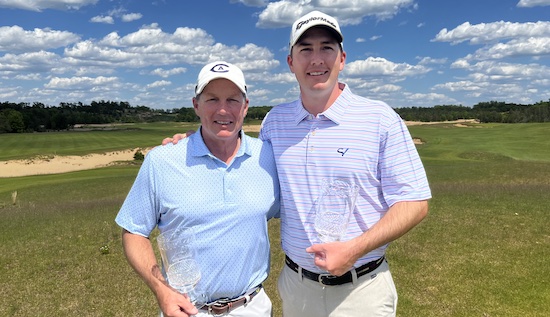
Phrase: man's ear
(342, 60)
(195, 105)
(289, 62)
(246, 107)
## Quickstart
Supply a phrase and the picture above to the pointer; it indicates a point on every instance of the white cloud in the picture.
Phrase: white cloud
(490, 32)
(348, 12)
(80, 82)
(88, 53)
(16, 39)
(511, 82)
(29, 62)
(145, 36)
(39, 5)
(492, 70)
(164, 73)
(532, 47)
(119, 13)
(463, 85)
(377, 66)
(131, 17)
(429, 98)
(7, 93)
(148, 56)
(251, 3)
(430, 60)
(385, 88)
(533, 3)
(84, 70)
(461, 63)
(257, 93)
(103, 19)
(147, 47)
(159, 83)
(32, 76)
(276, 78)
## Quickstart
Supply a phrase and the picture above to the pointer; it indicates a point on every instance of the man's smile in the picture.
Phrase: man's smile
(317, 73)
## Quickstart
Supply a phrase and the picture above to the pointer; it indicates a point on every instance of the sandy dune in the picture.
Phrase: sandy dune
(63, 164)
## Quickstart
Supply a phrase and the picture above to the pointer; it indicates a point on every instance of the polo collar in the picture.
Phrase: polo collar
(336, 112)
(198, 147)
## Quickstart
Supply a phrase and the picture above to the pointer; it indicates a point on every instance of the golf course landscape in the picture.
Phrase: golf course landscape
(483, 250)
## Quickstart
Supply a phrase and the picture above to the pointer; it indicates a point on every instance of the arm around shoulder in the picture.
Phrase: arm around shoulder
(177, 137)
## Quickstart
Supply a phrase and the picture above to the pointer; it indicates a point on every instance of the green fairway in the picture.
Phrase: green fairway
(484, 142)
(483, 250)
(118, 137)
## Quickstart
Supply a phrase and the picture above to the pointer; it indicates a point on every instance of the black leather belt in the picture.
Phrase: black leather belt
(225, 305)
(330, 280)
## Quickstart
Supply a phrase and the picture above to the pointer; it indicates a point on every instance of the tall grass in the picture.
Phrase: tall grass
(482, 251)
(51, 261)
(484, 248)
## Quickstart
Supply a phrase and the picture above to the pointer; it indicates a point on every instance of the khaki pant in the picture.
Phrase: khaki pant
(373, 294)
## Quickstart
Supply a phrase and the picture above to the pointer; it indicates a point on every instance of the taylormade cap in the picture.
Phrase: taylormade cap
(217, 70)
(314, 18)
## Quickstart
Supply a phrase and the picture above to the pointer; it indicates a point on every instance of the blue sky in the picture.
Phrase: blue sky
(148, 53)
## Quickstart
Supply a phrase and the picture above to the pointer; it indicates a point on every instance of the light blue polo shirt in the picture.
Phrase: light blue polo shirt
(228, 205)
(357, 139)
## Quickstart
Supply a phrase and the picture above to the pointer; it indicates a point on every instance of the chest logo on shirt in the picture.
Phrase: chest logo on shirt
(342, 150)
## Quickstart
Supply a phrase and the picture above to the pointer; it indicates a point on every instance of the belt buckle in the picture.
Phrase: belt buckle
(321, 276)
(221, 302)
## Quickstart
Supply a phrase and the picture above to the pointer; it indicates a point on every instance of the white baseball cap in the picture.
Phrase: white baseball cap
(220, 69)
(314, 18)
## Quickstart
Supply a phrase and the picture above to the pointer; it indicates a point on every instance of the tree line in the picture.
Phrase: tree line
(24, 117)
(492, 111)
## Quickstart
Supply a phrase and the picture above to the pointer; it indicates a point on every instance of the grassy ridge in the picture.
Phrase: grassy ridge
(482, 251)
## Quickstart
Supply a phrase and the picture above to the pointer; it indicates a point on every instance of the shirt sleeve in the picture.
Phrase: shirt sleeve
(402, 174)
(138, 213)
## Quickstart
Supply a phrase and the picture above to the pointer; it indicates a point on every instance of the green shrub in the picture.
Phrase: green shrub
(138, 156)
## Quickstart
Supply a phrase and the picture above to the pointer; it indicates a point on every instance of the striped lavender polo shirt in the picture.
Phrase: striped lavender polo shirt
(356, 138)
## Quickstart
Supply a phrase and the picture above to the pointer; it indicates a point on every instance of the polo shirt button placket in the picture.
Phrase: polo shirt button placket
(312, 132)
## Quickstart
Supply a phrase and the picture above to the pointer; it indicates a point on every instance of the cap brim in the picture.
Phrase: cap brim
(337, 35)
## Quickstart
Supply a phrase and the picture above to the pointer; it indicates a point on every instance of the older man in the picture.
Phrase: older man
(221, 182)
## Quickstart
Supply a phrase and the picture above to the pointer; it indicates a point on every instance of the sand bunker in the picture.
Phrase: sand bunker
(457, 123)
(63, 164)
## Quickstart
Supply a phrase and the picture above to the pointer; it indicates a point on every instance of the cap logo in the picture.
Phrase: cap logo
(301, 23)
(220, 68)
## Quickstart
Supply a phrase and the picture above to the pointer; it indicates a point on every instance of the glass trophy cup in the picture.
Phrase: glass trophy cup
(334, 208)
(178, 255)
